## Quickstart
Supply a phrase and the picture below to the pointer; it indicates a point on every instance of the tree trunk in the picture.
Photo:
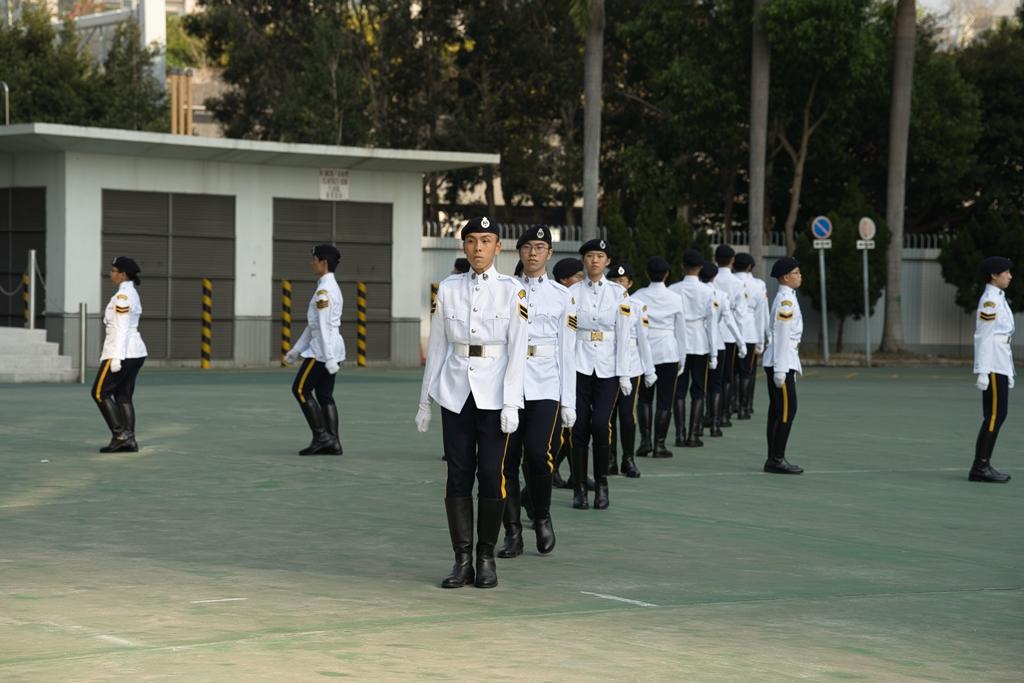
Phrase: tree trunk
(759, 80)
(729, 193)
(592, 65)
(489, 192)
(899, 133)
(839, 334)
(799, 158)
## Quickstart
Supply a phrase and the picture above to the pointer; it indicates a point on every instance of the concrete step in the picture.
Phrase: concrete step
(33, 349)
(20, 377)
(21, 335)
(29, 363)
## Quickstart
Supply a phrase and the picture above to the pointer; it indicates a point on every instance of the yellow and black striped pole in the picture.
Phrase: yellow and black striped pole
(286, 319)
(207, 323)
(361, 324)
(24, 296)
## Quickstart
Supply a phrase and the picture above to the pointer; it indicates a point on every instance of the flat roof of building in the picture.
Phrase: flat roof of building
(52, 137)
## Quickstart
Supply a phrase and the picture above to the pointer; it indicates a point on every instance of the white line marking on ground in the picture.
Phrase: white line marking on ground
(638, 603)
(754, 473)
(203, 602)
(117, 641)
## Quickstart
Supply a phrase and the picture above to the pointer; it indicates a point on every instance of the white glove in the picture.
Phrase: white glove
(714, 362)
(650, 380)
(682, 368)
(332, 366)
(983, 382)
(759, 349)
(1009, 381)
(780, 379)
(115, 365)
(291, 357)
(741, 350)
(509, 419)
(568, 417)
(423, 418)
(625, 386)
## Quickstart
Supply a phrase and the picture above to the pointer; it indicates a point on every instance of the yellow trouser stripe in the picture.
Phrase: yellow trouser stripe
(99, 382)
(310, 362)
(504, 492)
(785, 404)
(636, 395)
(551, 438)
(995, 401)
(611, 417)
(707, 369)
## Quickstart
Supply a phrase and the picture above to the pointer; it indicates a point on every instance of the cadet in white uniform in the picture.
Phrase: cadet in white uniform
(993, 364)
(722, 319)
(667, 336)
(782, 364)
(476, 357)
(735, 348)
(604, 317)
(549, 393)
(122, 357)
(322, 350)
(701, 340)
(567, 272)
(641, 365)
(755, 331)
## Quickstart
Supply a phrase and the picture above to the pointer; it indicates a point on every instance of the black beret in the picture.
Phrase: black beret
(723, 252)
(708, 271)
(126, 265)
(744, 260)
(620, 270)
(482, 224)
(994, 265)
(567, 267)
(657, 266)
(540, 233)
(595, 245)
(692, 258)
(462, 265)
(326, 251)
(784, 266)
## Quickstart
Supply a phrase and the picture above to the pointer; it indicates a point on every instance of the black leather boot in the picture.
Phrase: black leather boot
(629, 467)
(716, 414)
(460, 528)
(488, 524)
(563, 452)
(750, 392)
(743, 393)
(542, 527)
(705, 422)
(725, 407)
(580, 499)
(643, 418)
(601, 494)
(513, 521)
(679, 413)
(779, 465)
(315, 419)
(613, 449)
(114, 418)
(331, 425)
(128, 417)
(982, 469)
(693, 435)
(661, 421)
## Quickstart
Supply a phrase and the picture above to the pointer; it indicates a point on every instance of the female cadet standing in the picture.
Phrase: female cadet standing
(667, 336)
(603, 319)
(322, 350)
(122, 357)
(641, 363)
(476, 357)
(782, 364)
(993, 364)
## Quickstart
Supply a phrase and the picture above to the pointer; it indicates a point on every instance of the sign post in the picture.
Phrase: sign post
(867, 229)
(821, 229)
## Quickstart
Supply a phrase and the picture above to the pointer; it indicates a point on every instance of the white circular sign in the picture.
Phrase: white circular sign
(866, 228)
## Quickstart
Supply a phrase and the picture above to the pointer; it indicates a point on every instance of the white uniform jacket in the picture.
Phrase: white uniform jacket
(667, 330)
(603, 314)
(701, 335)
(726, 316)
(121, 319)
(992, 334)
(322, 337)
(551, 342)
(783, 350)
(755, 295)
(732, 289)
(640, 359)
(478, 334)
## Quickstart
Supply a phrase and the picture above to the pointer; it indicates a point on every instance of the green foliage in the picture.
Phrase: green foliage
(995, 234)
(183, 50)
(126, 96)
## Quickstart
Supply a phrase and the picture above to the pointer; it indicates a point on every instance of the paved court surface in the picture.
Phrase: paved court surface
(216, 554)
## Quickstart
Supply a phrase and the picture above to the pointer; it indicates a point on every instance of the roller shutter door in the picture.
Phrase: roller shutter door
(22, 227)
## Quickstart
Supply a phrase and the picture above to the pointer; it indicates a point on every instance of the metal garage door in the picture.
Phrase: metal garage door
(362, 232)
(22, 227)
(177, 239)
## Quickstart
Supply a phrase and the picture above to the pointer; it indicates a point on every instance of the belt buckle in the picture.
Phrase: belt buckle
(596, 335)
(476, 351)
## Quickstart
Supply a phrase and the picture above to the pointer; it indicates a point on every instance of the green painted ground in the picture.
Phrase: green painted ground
(216, 554)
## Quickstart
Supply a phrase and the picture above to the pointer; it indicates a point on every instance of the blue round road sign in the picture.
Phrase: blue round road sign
(821, 228)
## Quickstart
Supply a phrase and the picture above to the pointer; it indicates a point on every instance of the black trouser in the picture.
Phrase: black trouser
(717, 376)
(595, 403)
(474, 448)
(312, 376)
(729, 366)
(537, 440)
(668, 374)
(119, 385)
(625, 407)
(781, 412)
(994, 404)
(747, 367)
(695, 376)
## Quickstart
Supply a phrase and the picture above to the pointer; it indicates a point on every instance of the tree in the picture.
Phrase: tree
(125, 93)
(899, 132)
(760, 79)
(994, 235)
(589, 15)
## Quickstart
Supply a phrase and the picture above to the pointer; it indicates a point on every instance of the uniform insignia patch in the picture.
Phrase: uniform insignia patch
(715, 304)
(787, 302)
(572, 322)
(320, 303)
(625, 295)
(321, 291)
(646, 322)
(523, 313)
(645, 308)
(522, 293)
(572, 300)
(122, 296)
(785, 316)
(121, 309)
(540, 233)
(989, 304)
(433, 307)
(624, 308)
(987, 317)
(484, 223)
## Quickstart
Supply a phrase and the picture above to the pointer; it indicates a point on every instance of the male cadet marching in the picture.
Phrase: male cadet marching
(666, 334)
(604, 316)
(993, 364)
(641, 363)
(567, 272)
(549, 391)
(782, 364)
(722, 318)
(755, 330)
(735, 348)
(475, 362)
(701, 340)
